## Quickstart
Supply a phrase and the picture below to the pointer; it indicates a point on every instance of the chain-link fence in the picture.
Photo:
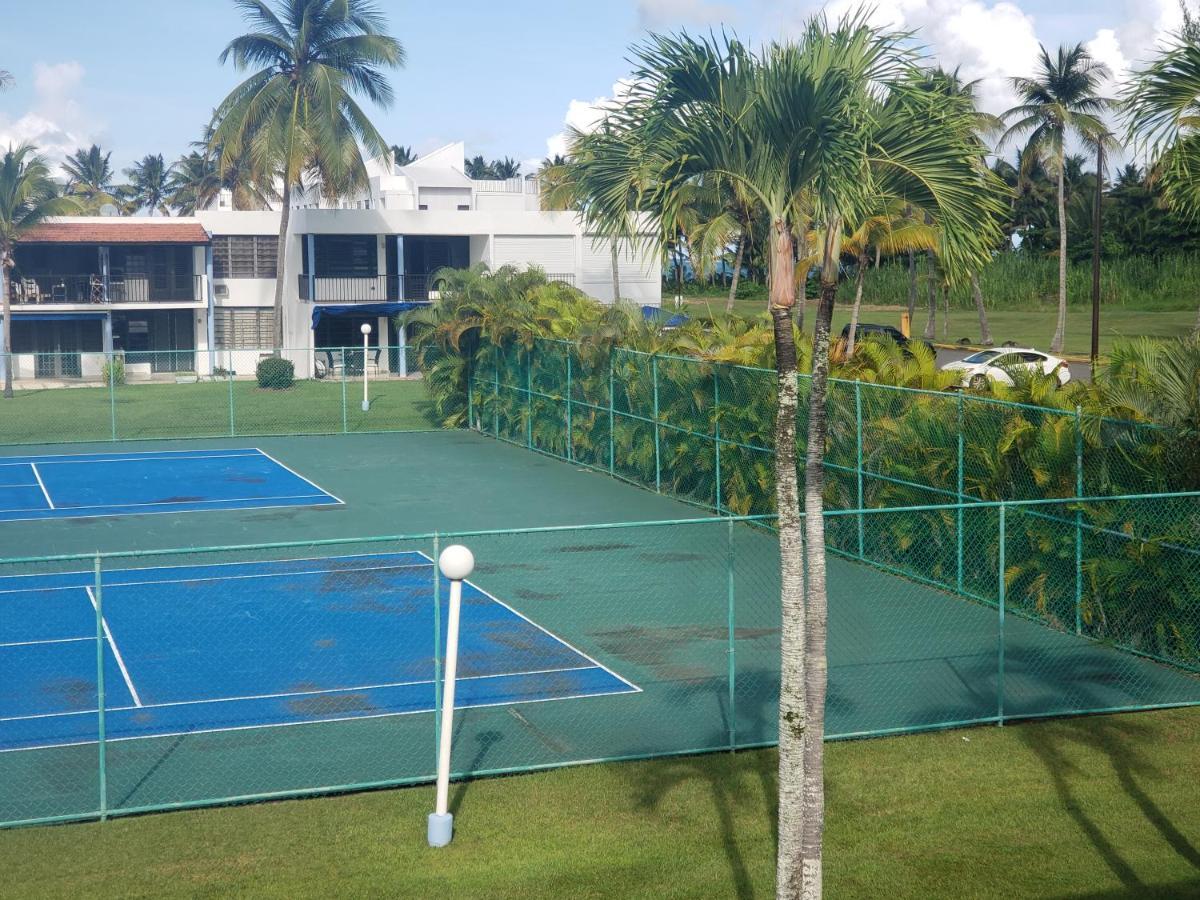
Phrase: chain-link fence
(73, 397)
(137, 682)
(704, 432)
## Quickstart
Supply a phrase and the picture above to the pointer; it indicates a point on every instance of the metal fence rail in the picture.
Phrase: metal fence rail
(172, 679)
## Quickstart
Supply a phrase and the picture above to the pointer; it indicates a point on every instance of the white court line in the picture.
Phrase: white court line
(120, 459)
(386, 715)
(117, 584)
(27, 484)
(89, 574)
(41, 484)
(172, 503)
(47, 641)
(283, 694)
(298, 475)
(155, 512)
(116, 651)
(212, 453)
(546, 631)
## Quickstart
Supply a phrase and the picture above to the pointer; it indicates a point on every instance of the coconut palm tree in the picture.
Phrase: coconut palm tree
(296, 116)
(194, 182)
(504, 169)
(1061, 101)
(6, 79)
(148, 185)
(90, 177)
(403, 156)
(819, 131)
(1162, 109)
(28, 196)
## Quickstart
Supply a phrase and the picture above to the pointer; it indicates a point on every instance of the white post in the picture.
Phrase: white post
(366, 333)
(456, 563)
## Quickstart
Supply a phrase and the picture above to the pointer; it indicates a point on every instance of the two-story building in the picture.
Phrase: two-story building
(175, 294)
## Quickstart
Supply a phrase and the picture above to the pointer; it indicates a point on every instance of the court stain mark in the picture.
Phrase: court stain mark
(76, 694)
(592, 548)
(330, 704)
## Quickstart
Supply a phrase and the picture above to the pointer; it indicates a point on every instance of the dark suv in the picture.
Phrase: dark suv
(866, 330)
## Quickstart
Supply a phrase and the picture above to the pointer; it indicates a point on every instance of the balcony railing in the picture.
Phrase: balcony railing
(39, 289)
(383, 288)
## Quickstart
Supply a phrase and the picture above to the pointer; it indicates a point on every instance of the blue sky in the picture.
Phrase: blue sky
(143, 77)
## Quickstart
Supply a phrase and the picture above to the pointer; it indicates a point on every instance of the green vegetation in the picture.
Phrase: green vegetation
(275, 372)
(1096, 807)
(203, 409)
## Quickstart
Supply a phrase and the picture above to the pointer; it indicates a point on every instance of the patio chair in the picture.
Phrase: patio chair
(333, 364)
(372, 363)
(30, 288)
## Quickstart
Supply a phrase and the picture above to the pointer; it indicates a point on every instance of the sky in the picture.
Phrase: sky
(504, 77)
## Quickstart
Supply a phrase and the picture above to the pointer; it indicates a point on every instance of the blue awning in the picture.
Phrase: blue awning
(59, 316)
(363, 309)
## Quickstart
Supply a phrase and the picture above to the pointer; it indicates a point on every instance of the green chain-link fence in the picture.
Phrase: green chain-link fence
(137, 682)
(75, 397)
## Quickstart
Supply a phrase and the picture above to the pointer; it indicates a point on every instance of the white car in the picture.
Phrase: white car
(1002, 363)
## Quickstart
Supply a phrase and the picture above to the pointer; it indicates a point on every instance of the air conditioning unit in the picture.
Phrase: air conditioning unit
(221, 291)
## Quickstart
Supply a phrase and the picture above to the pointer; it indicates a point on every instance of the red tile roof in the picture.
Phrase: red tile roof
(162, 231)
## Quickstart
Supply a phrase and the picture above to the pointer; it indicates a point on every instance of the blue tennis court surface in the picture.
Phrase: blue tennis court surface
(118, 484)
(202, 648)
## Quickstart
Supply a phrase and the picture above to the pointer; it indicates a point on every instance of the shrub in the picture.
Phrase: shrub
(113, 371)
(275, 373)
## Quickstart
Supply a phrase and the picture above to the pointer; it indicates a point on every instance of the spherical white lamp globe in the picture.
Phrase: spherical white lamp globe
(456, 562)
(366, 328)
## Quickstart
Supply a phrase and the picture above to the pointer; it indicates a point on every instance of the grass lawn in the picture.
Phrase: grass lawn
(209, 409)
(1098, 807)
(1032, 327)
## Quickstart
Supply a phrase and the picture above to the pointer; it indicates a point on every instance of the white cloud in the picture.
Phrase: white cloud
(585, 115)
(55, 123)
(659, 13)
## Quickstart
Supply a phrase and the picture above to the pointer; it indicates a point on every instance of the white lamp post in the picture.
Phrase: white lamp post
(366, 333)
(456, 563)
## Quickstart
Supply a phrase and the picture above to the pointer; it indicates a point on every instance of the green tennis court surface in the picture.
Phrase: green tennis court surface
(687, 611)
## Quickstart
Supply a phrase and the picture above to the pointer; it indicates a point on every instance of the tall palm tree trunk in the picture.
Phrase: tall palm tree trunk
(1060, 330)
(792, 706)
(616, 270)
(1196, 326)
(6, 356)
(737, 273)
(816, 672)
(931, 319)
(285, 221)
(985, 332)
(912, 285)
(858, 292)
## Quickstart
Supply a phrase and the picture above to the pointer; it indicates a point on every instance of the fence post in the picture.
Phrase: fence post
(717, 433)
(437, 646)
(657, 458)
(858, 430)
(1078, 522)
(112, 390)
(570, 379)
(612, 402)
(232, 417)
(1000, 649)
(732, 638)
(345, 421)
(470, 396)
(529, 397)
(958, 515)
(102, 749)
(495, 392)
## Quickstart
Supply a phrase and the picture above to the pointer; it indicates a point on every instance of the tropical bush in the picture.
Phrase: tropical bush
(275, 373)
(113, 370)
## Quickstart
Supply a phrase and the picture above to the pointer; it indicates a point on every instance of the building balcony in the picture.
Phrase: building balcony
(92, 289)
(382, 288)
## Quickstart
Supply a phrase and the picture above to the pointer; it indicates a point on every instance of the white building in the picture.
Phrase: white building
(177, 294)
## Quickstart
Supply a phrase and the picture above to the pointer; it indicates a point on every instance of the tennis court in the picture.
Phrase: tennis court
(89, 485)
(295, 641)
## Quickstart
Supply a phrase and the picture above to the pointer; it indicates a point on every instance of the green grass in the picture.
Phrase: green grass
(1095, 807)
(1030, 327)
(203, 409)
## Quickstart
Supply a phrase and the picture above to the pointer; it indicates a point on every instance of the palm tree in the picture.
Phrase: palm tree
(1062, 100)
(818, 131)
(28, 196)
(6, 79)
(1162, 109)
(478, 169)
(148, 185)
(296, 116)
(90, 177)
(504, 169)
(403, 156)
(194, 182)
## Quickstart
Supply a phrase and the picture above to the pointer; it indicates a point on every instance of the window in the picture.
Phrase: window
(245, 255)
(346, 255)
(244, 329)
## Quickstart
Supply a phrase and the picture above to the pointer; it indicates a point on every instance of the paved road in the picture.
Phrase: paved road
(1079, 371)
